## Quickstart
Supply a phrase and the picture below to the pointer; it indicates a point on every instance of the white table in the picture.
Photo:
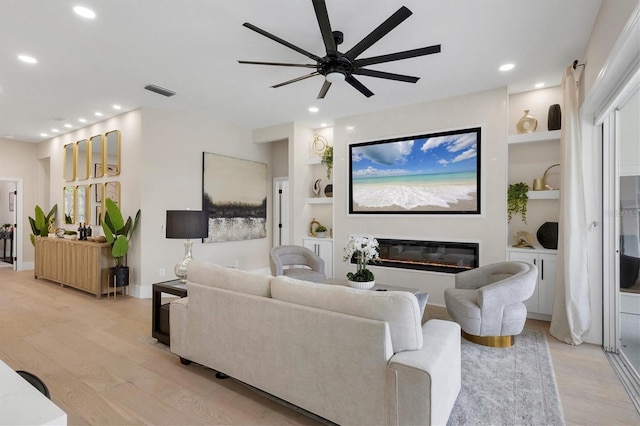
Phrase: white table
(22, 404)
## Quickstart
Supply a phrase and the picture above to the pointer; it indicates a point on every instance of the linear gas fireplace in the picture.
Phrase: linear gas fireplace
(438, 256)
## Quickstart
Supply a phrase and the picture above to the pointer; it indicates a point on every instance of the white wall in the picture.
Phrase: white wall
(21, 164)
(171, 179)
(485, 109)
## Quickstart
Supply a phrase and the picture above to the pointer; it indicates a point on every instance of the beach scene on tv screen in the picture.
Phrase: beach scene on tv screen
(436, 173)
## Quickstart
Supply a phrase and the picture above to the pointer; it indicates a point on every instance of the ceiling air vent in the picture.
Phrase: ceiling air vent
(159, 90)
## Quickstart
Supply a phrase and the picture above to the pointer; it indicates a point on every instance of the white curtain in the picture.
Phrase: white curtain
(571, 307)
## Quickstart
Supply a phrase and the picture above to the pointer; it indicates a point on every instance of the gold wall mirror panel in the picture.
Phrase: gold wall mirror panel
(69, 165)
(83, 159)
(112, 153)
(68, 196)
(97, 156)
(94, 201)
(112, 190)
(82, 215)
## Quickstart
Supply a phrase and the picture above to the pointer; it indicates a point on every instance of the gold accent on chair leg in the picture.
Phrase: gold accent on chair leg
(492, 341)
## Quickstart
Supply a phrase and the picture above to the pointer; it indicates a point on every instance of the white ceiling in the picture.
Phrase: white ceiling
(192, 47)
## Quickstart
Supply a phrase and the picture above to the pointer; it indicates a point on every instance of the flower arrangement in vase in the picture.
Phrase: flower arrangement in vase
(365, 250)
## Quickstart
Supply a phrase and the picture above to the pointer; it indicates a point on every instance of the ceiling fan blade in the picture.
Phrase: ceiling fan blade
(313, 74)
(324, 89)
(397, 56)
(280, 64)
(359, 86)
(393, 21)
(387, 75)
(281, 41)
(325, 26)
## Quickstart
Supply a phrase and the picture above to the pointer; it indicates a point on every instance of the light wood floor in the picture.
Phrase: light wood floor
(93, 356)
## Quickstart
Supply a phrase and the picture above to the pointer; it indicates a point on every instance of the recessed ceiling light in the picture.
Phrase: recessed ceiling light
(44, 135)
(350, 127)
(28, 59)
(82, 120)
(314, 109)
(98, 114)
(68, 126)
(539, 85)
(55, 130)
(84, 12)
(117, 107)
(323, 124)
(506, 67)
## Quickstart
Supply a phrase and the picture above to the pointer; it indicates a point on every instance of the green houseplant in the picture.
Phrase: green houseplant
(41, 224)
(118, 234)
(517, 200)
(327, 159)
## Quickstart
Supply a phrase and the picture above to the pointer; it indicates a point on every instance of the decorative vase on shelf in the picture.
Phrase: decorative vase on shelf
(316, 187)
(554, 118)
(527, 123)
(328, 190)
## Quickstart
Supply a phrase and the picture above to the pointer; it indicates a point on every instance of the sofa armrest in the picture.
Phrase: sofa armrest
(428, 380)
(178, 326)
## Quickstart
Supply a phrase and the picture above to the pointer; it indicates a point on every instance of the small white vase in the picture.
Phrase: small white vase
(362, 285)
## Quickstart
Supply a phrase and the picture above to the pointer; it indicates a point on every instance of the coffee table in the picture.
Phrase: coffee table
(422, 296)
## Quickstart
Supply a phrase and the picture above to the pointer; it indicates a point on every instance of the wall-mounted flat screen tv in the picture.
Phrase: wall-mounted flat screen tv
(433, 173)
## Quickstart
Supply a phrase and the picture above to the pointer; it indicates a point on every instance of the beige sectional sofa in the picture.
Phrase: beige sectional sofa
(353, 357)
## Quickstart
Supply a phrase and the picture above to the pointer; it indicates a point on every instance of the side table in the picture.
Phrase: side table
(160, 312)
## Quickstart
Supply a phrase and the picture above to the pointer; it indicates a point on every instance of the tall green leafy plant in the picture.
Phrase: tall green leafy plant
(118, 232)
(40, 225)
(327, 159)
(517, 200)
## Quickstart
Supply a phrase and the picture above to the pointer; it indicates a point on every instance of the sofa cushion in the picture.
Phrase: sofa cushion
(399, 309)
(228, 278)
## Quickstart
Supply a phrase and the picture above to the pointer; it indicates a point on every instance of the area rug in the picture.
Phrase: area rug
(508, 386)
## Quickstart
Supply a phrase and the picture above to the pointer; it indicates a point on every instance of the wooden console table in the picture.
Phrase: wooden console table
(80, 264)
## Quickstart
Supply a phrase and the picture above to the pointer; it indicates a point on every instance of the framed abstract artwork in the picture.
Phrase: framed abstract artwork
(433, 173)
(234, 195)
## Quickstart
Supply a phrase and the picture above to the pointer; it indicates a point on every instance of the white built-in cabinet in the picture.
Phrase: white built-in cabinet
(540, 305)
(323, 247)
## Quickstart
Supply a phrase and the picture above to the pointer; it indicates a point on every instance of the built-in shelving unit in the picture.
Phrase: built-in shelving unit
(320, 200)
(544, 195)
(534, 137)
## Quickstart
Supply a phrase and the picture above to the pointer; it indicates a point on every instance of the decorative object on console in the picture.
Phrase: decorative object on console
(541, 183)
(554, 117)
(327, 159)
(40, 225)
(234, 196)
(388, 176)
(118, 234)
(186, 224)
(527, 123)
(365, 250)
(517, 200)
(313, 226)
(548, 235)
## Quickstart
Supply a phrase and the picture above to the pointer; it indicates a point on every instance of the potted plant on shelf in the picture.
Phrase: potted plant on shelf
(118, 234)
(321, 231)
(365, 250)
(517, 200)
(41, 224)
(327, 159)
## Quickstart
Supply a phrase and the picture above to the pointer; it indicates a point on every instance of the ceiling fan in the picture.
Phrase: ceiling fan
(336, 66)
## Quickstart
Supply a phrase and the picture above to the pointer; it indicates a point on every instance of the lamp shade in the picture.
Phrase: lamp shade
(186, 224)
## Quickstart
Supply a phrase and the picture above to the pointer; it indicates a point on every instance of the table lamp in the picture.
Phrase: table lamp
(186, 224)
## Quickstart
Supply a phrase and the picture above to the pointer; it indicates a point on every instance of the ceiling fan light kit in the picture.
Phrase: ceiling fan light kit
(336, 66)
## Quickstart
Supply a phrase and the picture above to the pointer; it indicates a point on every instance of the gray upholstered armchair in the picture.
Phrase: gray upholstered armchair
(297, 262)
(487, 301)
